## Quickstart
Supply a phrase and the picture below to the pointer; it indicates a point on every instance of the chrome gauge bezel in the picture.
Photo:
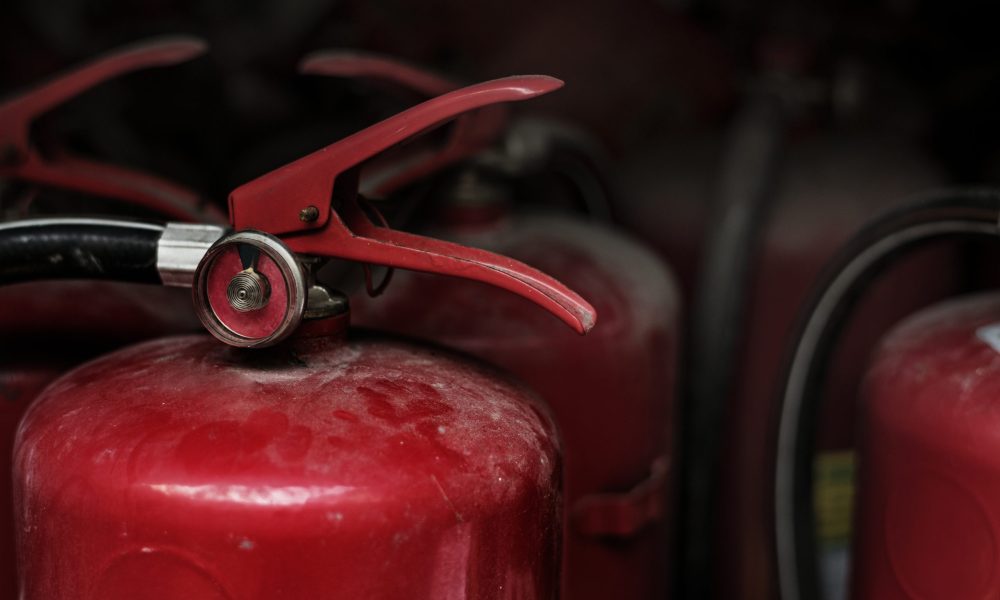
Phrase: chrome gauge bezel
(294, 281)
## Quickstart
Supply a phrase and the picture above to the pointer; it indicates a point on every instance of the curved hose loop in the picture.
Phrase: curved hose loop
(745, 191)
(940, 216)
(79, 249)
(588, 176)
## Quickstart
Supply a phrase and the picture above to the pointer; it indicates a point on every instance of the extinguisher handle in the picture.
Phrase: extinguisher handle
(107, 180)
(357, 64)
(471, 133)
(296, 203)
(20, 159)
(296, 197)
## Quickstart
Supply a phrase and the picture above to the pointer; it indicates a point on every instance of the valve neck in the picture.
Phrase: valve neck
(327, 312)
(330, 327)
(475, 200)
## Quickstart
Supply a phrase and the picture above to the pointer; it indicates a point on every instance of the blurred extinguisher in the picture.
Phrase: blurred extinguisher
(613, 392)
(927, 495)
(47, 327)
(750, 219)
(296, 459)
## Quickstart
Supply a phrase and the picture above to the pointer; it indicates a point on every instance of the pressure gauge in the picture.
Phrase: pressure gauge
(249, 290)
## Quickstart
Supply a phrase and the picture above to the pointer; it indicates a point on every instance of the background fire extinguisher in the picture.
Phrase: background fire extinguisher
(928, 474)
(618, 469)
(925, 473)
(181, 467)
(48, 327)
(801, 168)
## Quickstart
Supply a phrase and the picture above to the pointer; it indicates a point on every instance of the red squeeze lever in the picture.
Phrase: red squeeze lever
(20, 159)
(294, 203)
(356, 64)
(472, 132)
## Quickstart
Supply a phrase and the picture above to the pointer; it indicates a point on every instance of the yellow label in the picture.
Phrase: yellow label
(834, 496)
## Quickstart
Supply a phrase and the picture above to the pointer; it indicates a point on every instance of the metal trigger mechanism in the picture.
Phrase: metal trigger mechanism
(267, 214)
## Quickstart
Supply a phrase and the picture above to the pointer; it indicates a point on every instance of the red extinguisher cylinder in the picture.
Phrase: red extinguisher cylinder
(929, 491)
(182, 468)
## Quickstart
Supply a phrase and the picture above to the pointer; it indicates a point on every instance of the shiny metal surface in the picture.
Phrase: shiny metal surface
(258, 328)
(181, 248)
(248, 291)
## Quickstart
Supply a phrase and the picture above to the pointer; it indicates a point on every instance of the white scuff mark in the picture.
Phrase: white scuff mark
(990, 335)
(449, 578)
(293, 495)
(458, 515)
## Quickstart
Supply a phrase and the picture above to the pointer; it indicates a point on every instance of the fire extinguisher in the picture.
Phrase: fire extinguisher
(612, 393)
(96, 188)
(531, 150)
(22, 159)
(319, 464)
(757, 228)
(48, 327)
(926, 515)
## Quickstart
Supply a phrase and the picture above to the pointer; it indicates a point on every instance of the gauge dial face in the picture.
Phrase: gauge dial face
(249, 290)
(225, 292)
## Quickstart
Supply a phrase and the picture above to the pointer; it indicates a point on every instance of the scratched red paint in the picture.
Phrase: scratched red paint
(353, 469)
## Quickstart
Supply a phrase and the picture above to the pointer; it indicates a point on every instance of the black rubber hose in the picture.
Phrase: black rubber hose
(78, 249)
(946, 215)
(746, 188)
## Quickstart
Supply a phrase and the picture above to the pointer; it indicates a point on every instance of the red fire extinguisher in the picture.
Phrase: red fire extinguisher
(23, 160)
(112, 312)
(925, 502)
(927, 526)
(48, 327)
(612, 393)
(48, 308)
(757, 228)
(321, 464)
(525, 148)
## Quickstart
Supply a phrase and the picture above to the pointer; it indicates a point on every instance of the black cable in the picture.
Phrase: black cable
(746, 187)
(946, 215)
(78, 249)
(585, 169)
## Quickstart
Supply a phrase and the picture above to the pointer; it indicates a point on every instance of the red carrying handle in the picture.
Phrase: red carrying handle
(19, 159)
(472, 132)
(355, 64)
(294, 202)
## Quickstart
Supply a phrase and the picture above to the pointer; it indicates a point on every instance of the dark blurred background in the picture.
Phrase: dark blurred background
(638, 72)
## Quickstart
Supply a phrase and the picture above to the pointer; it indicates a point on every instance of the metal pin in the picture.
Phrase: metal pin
(248, 291)
(309, 214)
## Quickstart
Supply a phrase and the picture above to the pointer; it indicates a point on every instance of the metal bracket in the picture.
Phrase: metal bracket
(180, 250)
(623, 515)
